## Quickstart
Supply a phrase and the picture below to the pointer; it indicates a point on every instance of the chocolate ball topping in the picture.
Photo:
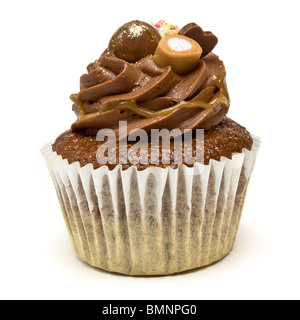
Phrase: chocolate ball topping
(134, 40)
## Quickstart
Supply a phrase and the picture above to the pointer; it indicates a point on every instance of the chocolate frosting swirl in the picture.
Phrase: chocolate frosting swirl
(150, 97)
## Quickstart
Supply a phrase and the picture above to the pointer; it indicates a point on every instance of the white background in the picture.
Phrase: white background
(46, 46)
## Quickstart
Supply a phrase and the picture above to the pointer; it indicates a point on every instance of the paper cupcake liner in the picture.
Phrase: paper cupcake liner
(156, 221)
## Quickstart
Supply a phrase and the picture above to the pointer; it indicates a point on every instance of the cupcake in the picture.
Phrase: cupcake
(152, 176)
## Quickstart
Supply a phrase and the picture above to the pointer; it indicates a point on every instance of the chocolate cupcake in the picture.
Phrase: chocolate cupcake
(152, 176)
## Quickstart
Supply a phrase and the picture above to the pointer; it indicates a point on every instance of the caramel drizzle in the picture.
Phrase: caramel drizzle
(131, 105)
(76, 99)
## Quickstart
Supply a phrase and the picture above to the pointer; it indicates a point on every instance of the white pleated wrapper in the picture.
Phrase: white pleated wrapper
(156, 221)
